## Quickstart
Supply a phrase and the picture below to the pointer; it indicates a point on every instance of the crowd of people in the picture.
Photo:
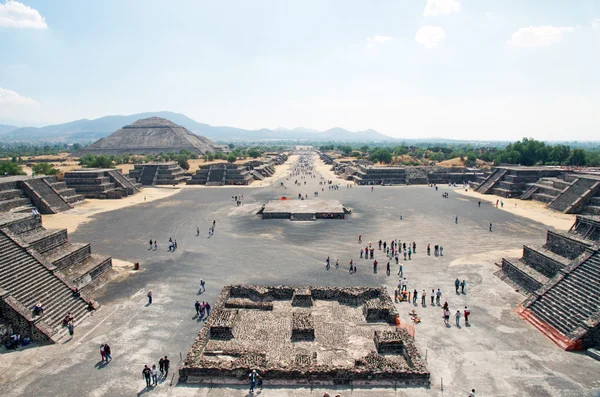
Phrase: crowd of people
(151, 374)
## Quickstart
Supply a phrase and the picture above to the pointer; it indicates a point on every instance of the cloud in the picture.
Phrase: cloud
(372, 41)
(430, 36)
(538, 36)
(17, 15)
(8, 97)
(438, 7)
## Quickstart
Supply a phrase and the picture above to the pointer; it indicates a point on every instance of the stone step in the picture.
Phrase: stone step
(548, 318)
(568, 301)
(43, 240)
(11, 194)
(12, 204)
(68, 254)
(594, 353)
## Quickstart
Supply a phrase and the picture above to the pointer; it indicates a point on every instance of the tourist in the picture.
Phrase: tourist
(445, 306)
(38, 309)
(463, 284)
(409, 253)
(155, 245)
(456, 219)
(428, 249)
(404, 284)
(457, 315)
(479, 202)
(207, 307)
(174, 244)
(197, 230)
(202, 307)
(396, 294)
(202, 286)
(446, 316)
(102, 353)
(387, 269)
(404, 255)
(337, 263)
(490, 227)
(71, 328)
(166, 363)
(415, 297)
(253, 376)
(375, 266)
(354, 268)
(397, 258)
(467, 313)
(361, 253)
(150, 245)
(360, 238)
(432, 296)
(441, 251)
(456, 285)
(423, 298)
(350, 271)
(161, 366)
(197, 306)
(150, 297)
(414, 250)
(436, 249)
(146, 372)
(107, 352)
(472, 394)
(154, 374)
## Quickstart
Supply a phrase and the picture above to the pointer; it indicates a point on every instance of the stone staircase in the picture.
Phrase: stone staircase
(69, 195)
(572, 301)
(123, 182)
(148, 175)
(216, 177)
(491, 181)
(569, 197)
(529, 193)
(562, 279)
(26, 280)
(44, 196)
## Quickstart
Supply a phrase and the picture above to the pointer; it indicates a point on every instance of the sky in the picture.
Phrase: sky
(459, 69)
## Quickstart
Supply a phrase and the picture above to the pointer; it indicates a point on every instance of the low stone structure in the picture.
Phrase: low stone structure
(562, 281)
(149, 174)
(221, 174)
(101, 183)
(304, 210)
(332, 342)
(46, 194)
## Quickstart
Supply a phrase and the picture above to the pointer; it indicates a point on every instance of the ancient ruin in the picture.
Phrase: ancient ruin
(100, 183)
(149, 174)
(338, 336)
(153, 135)
(46, 194)
(562, 282)
(304, 210)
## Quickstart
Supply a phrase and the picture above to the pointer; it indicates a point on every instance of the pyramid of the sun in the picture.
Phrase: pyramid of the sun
(153, 135)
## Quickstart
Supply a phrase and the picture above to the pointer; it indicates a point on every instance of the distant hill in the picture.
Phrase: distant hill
(91, 130)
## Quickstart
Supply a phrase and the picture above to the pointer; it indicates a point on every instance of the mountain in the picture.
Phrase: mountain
(5, 129)
(85, 130)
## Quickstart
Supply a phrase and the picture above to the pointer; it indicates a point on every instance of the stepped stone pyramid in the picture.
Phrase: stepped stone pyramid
(158, 174)
(562, 281)
(41, 265)
(101, 183)
(46, 194)
(153, 135)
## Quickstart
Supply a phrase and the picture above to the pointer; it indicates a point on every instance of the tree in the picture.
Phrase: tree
(182, 160)
(10, 168)
(560, 153)
(381, 155)
(231, 158)
(44, 169)
(254, 153)
(577, 157)
(231, 146)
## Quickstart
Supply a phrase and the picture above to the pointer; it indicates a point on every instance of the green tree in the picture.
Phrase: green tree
(44, 169)
(577, 157)
(10, 168)
(559, 153)
(254, 153)
(231, 158)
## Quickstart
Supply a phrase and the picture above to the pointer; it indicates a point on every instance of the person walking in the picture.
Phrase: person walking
(457, 315)
(456, 219)
(375, 266)
(354, 268)
(150, 245)
(438, 297)
(467, 313)
(150, 297)
(404, 284)
(155, 245)
(446, 316)
(463, 284)
(197, 230)
(423, 298)
(400, 268)
(107, 352)
(161, 366)
(102, 354)
(456, 285)
(154, 374)
(472, 393)
(387, 269)
(490, 227)
(146, 372)
(415, 296)
(432, 296)
(166, 363)
(207, 307)
(253, 377)
(197, 306)
(202, 285)
(71, 328)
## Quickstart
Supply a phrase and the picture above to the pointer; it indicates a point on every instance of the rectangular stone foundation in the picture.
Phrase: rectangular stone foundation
(289, 345)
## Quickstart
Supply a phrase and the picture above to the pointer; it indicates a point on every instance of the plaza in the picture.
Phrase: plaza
(497, 354)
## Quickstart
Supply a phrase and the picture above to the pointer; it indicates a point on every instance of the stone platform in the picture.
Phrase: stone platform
(335, 341)
(304, 209)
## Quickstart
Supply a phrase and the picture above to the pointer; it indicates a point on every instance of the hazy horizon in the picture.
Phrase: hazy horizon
(449, 69)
